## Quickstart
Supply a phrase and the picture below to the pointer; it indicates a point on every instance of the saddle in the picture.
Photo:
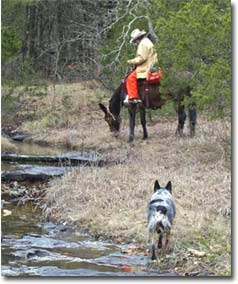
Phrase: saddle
(149, 94)
(148, 91)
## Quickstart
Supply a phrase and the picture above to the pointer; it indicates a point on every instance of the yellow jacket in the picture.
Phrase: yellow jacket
(146, 57)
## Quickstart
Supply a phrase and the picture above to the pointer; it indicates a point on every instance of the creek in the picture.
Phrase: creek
(33, 246)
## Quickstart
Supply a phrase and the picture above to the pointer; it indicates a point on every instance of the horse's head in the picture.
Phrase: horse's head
(113, 121)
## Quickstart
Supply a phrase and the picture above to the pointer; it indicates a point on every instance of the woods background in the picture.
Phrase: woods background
(73, 40)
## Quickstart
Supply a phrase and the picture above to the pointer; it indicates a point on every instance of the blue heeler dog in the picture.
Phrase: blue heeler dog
(161, 212)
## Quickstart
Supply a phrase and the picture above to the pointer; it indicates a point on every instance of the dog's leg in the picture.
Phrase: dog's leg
(154, 247)
(160, 241)
(153, 257)
(149, 241)
(167, 240)
(151, 244)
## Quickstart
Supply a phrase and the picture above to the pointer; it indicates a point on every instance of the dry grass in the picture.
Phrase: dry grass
(7, 145)
(112, 201)
(55, 106)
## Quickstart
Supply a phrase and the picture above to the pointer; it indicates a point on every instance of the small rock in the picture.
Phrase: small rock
(36, 253)
(3, 202)
(33, 235)
(15, 183)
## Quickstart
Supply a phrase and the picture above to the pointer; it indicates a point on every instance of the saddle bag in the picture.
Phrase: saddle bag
(154, 76)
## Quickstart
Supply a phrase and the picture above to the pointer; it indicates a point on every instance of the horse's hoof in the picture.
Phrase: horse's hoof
(192, 133)
(115, 134)
(130, 139)
(179, 133)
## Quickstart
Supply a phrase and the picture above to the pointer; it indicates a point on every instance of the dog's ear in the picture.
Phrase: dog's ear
(156, 186)
(169, 187)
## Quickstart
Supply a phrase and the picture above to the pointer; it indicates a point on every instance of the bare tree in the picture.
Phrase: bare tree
(64, 38)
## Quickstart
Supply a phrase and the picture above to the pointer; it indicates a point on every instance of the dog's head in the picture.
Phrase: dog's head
(158, 187)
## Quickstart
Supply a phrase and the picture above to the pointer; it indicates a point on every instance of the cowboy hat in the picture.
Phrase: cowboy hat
(136, 34)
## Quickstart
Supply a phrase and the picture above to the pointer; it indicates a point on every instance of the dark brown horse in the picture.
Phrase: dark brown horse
(151, 99)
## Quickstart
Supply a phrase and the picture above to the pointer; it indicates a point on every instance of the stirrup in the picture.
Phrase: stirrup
(134, 101)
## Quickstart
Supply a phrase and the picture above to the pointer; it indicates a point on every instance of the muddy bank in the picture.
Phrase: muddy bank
(33, 174)
(30, 162)
(72, 159)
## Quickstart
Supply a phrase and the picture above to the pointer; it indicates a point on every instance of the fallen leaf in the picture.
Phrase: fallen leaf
(196, 252)
(133, 250)
(7, 212)
(126, 268)
(129, 251)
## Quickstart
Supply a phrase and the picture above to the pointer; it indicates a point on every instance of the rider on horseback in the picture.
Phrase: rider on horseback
(146, 57)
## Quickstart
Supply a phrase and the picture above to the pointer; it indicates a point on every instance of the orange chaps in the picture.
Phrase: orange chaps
(131, 86)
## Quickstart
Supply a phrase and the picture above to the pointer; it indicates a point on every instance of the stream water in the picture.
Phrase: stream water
(31, 246)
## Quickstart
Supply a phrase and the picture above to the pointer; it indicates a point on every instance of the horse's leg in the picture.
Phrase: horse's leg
(192, 112)
(143, 122)
(132, 121)
(181, 120)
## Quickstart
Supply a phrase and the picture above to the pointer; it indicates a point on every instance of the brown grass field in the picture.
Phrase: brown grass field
(111, 202)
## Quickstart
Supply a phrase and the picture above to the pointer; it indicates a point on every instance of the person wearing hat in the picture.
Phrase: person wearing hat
(146, 57)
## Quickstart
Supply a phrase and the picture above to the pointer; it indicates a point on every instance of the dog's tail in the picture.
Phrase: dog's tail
(163, 224)
(159, 222)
